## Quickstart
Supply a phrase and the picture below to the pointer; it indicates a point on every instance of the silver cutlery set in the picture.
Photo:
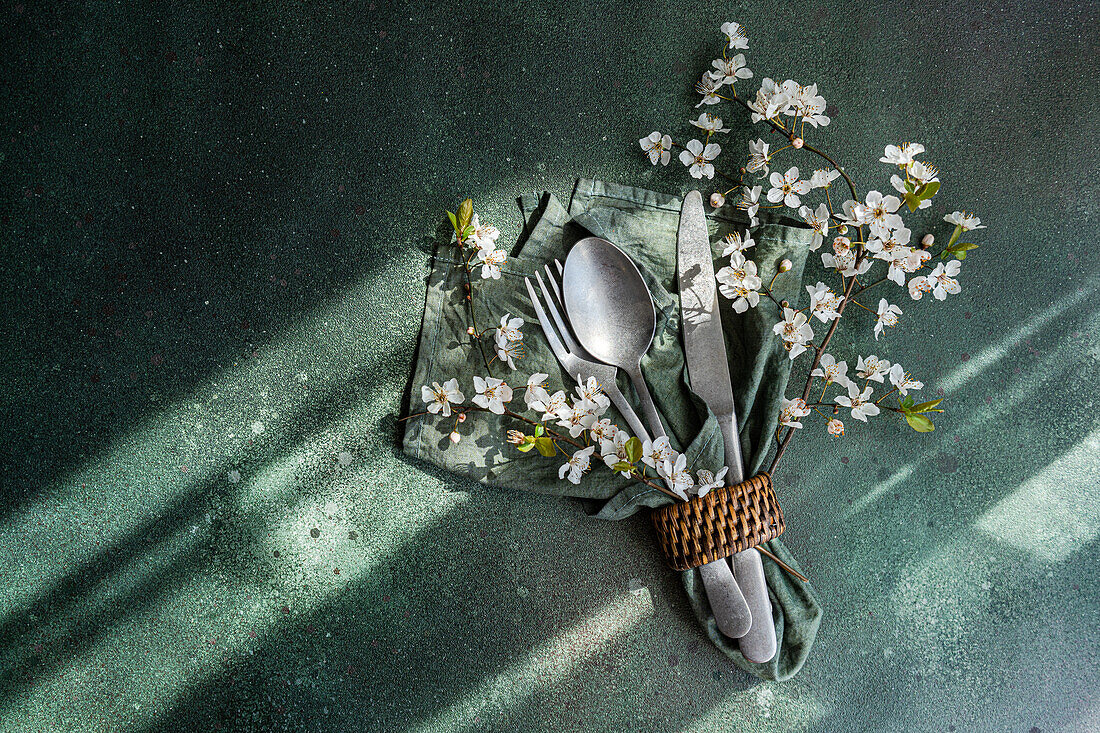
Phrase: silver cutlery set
(602, 319)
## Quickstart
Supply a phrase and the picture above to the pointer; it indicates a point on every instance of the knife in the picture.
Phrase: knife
(709, 374)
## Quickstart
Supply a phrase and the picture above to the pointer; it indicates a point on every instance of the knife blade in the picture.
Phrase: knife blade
(709, 375)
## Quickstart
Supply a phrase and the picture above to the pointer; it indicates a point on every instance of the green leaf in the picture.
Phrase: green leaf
(525, 447)
(926, 406)
(909, 187)
(954, 237)
(465, 213)
(907, 403)
(912, 201)
(634, 450)
(539, 430)
(454, 220)
(959, 250)
(623, 467)
(929, 190)
(545, 446)
(920, 423)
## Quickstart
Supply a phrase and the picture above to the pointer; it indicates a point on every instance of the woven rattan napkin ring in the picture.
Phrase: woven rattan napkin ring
(726, 521)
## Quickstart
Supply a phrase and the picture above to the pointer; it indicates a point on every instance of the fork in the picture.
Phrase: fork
(573, 357)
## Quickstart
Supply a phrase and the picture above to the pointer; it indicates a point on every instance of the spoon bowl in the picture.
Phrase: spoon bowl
(612, 313)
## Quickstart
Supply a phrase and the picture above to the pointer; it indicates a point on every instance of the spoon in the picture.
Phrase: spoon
(612, 314)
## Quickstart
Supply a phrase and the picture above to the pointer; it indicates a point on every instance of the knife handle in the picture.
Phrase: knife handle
(731, 612)
(759, 644)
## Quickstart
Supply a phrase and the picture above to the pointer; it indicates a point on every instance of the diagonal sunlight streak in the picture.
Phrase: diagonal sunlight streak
(882, 488)
(993, 353)
(1057, 510)
(184, 447)
(548, 663)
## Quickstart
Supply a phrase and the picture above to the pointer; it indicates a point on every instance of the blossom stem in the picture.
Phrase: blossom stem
(470, 306)
(809, 381)
(880, 399)
(806, 146)
(861, 305)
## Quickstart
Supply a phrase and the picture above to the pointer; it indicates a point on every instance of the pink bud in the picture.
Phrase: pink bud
(717, 200)
(462, 418)
(455, 437)
(927, 241)
(785, 265)
(797, 143)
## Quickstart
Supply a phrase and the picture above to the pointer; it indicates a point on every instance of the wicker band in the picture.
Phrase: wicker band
(722, 523)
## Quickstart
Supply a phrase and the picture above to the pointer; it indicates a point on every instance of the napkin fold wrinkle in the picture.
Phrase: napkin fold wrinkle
(643, 224)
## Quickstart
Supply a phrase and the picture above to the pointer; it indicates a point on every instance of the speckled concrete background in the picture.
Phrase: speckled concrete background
(216, 220)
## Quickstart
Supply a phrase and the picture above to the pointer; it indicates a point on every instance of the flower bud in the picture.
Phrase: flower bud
(785, 265)
(717, 200)
(471, 330)
(843, 228)
(785, 304)
(836, 410)
(455, 437)
(927, 241)
(797, 143)
(462, 417)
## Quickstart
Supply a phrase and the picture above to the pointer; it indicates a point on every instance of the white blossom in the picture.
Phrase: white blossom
(492, 394)
(923, 172)
(491, 260)
(795, 331)
(551, 406)
(709, 122)
(872, 368)
(728, 71)
(770, 101)
(818, 221)
(698, 158)
(899, 185)
(878, 211)
(832, 371)
(439, 398)
(887, 316)
(602, 430)
(901, 379)
(964, 220)
(940, 282)
(902, 155)
(656, 451)
(591, 391)
(576, 466)
(806, 102)
(484, 236)
(657, 146)
(735, 242)
(846, 264)
(823, 302)
(707, 480)
(536, 391)
(787, 187)
(750, 202)
(739, 282)
(709, 87)
(793, 411)
(835, 427)
(578, 417)
(509, 329)
(736, 34)
(613, 450)
(859, 402)
(824, 177)
(508, 351)
(758, 158)
(674, 471)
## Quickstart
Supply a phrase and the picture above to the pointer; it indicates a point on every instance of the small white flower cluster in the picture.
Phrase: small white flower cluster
(509, 340)
(485, 238)
(789, 98)
(738, 281)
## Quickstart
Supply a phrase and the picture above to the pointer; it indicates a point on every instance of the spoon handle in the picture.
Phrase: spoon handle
(648, 408)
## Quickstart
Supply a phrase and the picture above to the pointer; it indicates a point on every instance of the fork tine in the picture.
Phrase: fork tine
(567, 332)
(555, 343)
(551, 305)
(561, 269)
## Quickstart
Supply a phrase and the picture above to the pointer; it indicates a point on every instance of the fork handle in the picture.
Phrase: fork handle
(646, 400)
(637, 429)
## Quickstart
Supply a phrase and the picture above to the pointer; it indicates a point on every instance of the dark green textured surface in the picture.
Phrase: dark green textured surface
(215, 223)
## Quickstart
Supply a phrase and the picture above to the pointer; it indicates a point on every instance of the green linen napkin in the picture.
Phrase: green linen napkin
(643, 224)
